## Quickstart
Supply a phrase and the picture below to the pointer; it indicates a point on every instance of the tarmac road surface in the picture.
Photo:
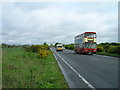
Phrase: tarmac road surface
(88, 71)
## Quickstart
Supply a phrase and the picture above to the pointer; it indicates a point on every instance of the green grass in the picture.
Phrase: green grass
(26, 70)
(108, 54)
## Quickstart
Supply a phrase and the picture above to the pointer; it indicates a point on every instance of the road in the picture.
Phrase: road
(88, 71)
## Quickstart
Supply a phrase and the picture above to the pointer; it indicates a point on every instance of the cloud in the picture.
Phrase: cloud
(53, 23)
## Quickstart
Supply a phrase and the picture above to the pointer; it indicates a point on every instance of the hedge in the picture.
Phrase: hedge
(42, 50)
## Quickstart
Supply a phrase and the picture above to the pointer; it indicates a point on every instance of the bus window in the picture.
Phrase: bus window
(90, 35)
(90, 45)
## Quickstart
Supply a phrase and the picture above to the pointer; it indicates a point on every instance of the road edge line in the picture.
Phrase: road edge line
(70, 84)
(83, 79)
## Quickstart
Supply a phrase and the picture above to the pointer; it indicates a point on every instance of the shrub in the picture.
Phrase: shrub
(100, 49)
(36, 48)
(42, 50)
(114, 49)
(46, 47)
(69, 46)
(51, 52)
(43, 53)
(28, 49)
(106, 47)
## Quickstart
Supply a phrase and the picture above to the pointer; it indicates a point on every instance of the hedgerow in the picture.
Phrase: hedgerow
(42, 50)
(114, 49)
(69, 46)
(44, 53)
(100, 49)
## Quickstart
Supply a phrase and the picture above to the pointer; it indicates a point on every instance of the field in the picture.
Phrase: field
(21, 69)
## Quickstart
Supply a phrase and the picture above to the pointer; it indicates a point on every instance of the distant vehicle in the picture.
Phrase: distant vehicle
(85, 43)
(59, 47)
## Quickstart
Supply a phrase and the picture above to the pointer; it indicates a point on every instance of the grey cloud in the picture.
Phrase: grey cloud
(52, 25)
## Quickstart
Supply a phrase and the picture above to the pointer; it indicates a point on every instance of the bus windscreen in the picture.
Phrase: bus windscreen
(59, 46)
(92, 35)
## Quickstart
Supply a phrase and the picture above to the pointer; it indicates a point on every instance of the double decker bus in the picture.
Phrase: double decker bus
(85, 43)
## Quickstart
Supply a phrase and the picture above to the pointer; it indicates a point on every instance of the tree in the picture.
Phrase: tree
(106, 43)
(56, 44)
(45, 43)
(4, 45)
(51, 45)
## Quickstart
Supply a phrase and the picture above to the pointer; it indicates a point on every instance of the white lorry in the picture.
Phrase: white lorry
(59, 47)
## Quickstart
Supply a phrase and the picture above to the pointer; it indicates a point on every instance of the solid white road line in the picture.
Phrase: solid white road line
(55, 57)
(71, 85)
(83, 79)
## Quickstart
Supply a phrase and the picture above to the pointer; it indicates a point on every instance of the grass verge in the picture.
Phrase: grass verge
(22, 69)
(108, 54)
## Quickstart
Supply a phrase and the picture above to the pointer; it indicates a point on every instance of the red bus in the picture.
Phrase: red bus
(85, 43)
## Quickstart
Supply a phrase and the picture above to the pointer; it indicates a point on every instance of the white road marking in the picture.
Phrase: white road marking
(55, 57)
(83, 79)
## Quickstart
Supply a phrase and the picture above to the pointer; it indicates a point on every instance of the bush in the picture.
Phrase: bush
(44, 53)
(100, 49)
(32, 48)
(36, 48)
(46, 47)
(114, 49)
(27, 49)
(69, 46)
(106, 47)
(42, 50)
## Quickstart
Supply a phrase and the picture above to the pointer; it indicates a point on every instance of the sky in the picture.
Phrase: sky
(51, 22)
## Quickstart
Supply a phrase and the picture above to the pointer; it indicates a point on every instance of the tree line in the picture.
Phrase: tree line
(41, 50)
(113, 47)
(101, 47)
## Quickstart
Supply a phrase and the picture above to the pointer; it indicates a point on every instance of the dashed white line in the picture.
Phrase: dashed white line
(83, 79)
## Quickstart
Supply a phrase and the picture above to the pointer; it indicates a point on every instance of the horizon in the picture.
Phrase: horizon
(59, 42)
